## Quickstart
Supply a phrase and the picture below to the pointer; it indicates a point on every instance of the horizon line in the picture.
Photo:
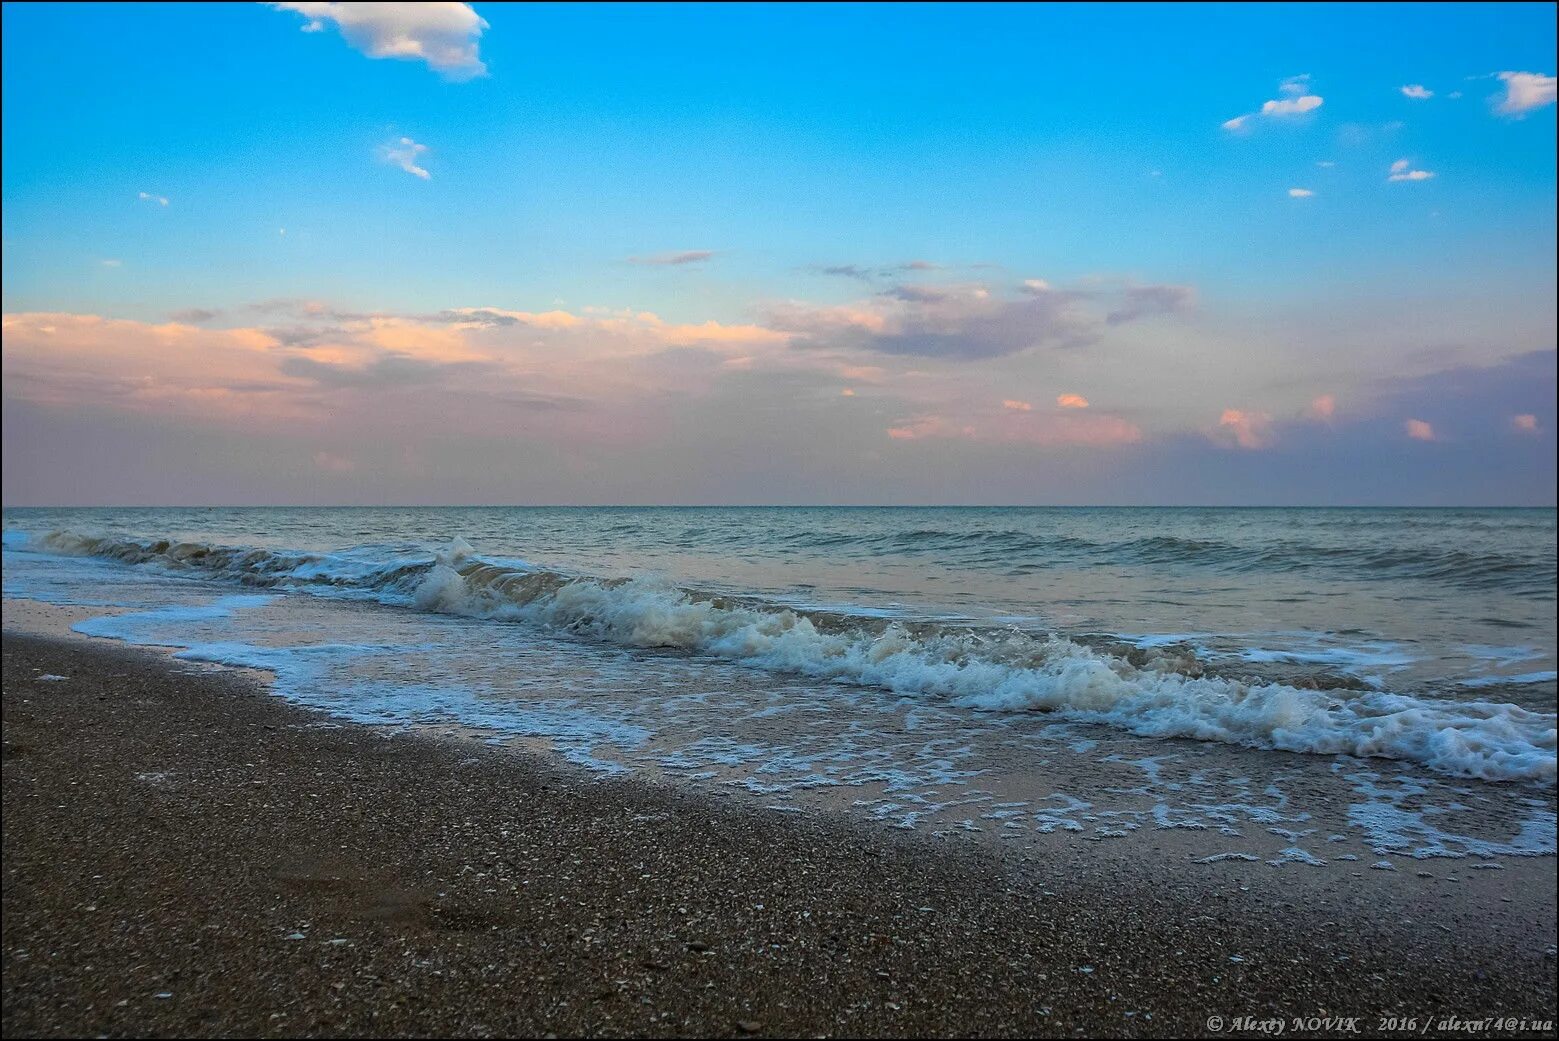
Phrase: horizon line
(782, 506)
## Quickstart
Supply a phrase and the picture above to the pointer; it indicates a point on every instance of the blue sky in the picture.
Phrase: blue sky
(1081, 147)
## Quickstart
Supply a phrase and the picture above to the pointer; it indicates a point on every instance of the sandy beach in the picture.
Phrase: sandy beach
(186, 854)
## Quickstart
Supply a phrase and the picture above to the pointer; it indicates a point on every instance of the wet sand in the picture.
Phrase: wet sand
(186, 854)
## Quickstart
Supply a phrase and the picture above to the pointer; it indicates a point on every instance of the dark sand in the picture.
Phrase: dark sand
(185, 854)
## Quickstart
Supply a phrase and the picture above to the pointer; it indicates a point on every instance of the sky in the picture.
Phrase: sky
(320, 253)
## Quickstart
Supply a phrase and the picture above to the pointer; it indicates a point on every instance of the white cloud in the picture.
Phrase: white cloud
(1401, 171)
(160, 200)
(1417, 91)
(1325, 164)
(111, 263)
(1300, 193)
(1525, 91)
(1291, 106)
(1295, 102)
(404, 154)
(445, 35)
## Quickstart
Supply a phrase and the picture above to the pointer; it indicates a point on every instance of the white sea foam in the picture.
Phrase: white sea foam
(987, 669)
(1018, 671)
(1500, 681)
(1376, 655)
(141, 626)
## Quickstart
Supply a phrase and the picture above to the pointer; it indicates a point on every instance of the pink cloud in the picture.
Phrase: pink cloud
(1526, 423)
(1419, 430)
(1094, 431)
(104, 364)
(418, 340)
(308, 357)
(1250, 430)
(1072, 401)
(1017, 406)
(711, 332)
(1323, 408)
(446, 36)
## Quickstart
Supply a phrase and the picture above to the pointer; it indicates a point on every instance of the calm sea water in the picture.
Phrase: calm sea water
(915, 661)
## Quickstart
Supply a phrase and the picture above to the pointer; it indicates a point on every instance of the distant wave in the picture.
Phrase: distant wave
(1510, 572)
(1156, 691)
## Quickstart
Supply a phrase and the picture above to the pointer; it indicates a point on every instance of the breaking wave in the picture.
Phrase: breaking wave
(1158, 691)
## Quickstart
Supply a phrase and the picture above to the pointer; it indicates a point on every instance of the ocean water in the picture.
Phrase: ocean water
(1009, 671)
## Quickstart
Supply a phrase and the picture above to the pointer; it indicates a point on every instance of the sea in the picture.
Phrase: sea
(1294, 687)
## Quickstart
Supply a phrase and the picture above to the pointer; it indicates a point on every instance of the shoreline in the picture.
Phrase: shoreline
(166, 831)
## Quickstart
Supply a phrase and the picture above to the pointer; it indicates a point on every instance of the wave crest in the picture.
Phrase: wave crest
(1151, 693)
